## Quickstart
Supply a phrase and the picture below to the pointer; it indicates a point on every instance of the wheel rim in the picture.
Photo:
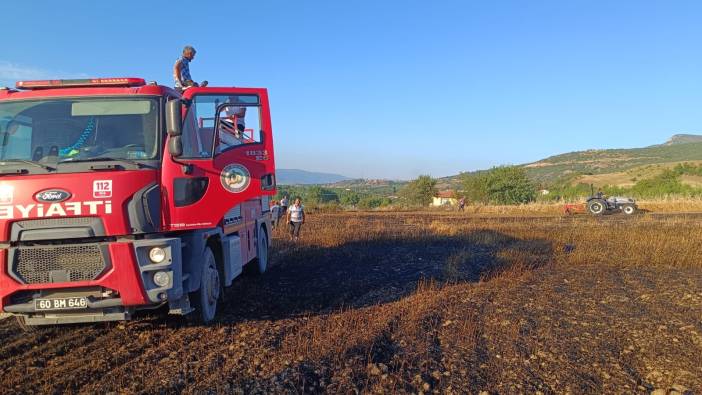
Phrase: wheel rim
(628, 210)
(211, 288)
(596, 208)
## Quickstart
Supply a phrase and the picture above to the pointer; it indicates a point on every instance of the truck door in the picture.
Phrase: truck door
(227, 157)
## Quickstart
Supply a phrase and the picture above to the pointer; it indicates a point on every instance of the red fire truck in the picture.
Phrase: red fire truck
(118, 195)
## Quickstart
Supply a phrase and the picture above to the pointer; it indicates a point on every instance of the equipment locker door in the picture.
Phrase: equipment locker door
(227, 158)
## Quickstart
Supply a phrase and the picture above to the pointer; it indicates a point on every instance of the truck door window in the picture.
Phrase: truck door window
(238, 123)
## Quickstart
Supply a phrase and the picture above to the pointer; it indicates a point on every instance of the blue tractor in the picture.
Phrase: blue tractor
(599, 204)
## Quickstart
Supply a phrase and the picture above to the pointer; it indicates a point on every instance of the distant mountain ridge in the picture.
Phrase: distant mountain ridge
(303, 177)
(684, 139)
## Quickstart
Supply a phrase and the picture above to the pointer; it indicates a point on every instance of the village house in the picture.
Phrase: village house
(444, 198)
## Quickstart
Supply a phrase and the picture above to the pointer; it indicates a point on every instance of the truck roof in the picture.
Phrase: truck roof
(151, 90)
(27, 90)
(84, 87)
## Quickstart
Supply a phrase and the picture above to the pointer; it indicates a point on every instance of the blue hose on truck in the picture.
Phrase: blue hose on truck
(73, 148)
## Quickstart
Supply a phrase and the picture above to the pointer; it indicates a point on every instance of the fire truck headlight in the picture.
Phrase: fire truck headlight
(161, 279)
(157, 255)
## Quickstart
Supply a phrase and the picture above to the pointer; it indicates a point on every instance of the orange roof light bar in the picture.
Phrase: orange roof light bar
(88, 82)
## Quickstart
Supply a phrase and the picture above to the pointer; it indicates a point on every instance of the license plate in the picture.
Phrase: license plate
(61, 304)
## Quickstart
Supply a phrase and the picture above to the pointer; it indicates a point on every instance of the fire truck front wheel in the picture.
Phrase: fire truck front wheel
(205, 299)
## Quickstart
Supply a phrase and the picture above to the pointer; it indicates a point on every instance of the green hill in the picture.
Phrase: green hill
(621, 167)
(592, 162)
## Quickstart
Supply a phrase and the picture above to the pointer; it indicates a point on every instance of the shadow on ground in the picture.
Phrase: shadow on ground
(312, 280)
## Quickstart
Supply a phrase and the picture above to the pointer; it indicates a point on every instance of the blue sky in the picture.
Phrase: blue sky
(399, 88)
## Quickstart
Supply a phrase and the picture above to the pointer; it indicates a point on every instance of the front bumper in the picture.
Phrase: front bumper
(126, 283)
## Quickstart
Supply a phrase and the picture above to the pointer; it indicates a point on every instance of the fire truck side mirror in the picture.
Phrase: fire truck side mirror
(174, 125)
(175, 146)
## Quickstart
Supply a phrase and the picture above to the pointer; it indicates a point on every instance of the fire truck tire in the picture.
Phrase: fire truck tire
(262, 253)
(204, 300)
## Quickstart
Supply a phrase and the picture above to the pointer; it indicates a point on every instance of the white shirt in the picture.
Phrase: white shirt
(238, 112)
(296, 213)
(227, 139)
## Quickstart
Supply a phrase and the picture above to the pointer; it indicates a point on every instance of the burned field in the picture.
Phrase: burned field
(410, 303)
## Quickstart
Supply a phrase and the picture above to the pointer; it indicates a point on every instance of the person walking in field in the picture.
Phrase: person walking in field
(462, 204)
(296, 217)
(275, 214)
(284, 205)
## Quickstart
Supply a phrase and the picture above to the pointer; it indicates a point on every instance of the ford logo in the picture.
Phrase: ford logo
(52, 196)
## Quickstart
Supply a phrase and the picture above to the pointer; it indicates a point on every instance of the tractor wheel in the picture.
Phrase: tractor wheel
(596, 206)
(204, 300)
(628, 209)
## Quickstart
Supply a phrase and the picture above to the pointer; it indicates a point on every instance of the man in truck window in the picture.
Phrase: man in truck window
(232, 124)
(238, 113)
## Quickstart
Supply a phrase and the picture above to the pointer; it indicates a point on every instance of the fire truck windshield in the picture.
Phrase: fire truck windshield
(66, 130)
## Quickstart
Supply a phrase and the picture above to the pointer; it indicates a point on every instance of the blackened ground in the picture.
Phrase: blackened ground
(407, 303)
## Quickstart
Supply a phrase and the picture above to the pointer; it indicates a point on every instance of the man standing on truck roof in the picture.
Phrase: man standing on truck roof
(181, 69)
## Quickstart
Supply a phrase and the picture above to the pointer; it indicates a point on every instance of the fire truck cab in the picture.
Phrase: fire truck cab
(118, 195)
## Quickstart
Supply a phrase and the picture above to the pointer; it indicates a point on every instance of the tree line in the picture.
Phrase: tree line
(502, 185)
(316, 195)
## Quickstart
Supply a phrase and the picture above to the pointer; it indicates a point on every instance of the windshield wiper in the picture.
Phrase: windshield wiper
(103, 158)
(29, 162)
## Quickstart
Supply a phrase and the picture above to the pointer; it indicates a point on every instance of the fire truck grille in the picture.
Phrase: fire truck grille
(38, 265)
